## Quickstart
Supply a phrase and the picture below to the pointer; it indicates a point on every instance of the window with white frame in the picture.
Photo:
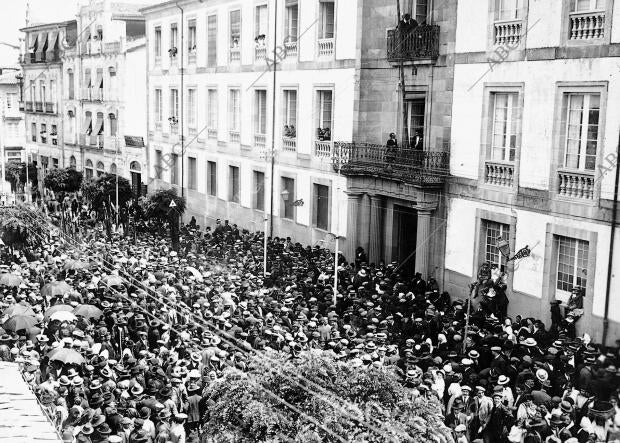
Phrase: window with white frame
(174, 39)
(12, 130)
(260, 24)
(174, 104)
(258, 202)
(157, 41)
(234, 110)
(174, 169)
(212, 108)
(260, 111)
(289, 113)
(235, 29)
(89, 169)
(211, 178)
(191, 108)
(326, 19)
(414, 122)
(291, 17)
(191, 173)
(11, 100)
(587, 5)
(159, 103)
(508, 9)
(158, 164)
(572, 266)
(42, 92)
(417, 9)
(493, 232)
(233, 184)
(324, 114)
(582, 130)
(53, 91)
(191, 36)
(212, 41)
(320, 206)
(505, 126)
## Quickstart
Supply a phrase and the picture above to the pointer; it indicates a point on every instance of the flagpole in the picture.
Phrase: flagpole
(116, 161)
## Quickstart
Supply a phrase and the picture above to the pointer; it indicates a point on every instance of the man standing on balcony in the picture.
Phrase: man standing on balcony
(407, 24)
(390, 150)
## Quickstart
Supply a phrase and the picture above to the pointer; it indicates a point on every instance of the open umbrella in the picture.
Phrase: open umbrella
(19, 322)
(75, 264)
(11, 280)
(56, 288)
(63, 316)
(113, 280)
(57, 308)
(67, 356)
(197, 275)
(18, 309)
(88, 311)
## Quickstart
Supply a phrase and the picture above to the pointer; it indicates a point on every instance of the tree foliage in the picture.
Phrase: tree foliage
(358, 404)
(16, 175)
(158, 204)
(101, 191)
(63, 180)
(18, 230)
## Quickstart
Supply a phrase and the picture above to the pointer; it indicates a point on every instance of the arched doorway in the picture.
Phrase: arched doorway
(136, 178)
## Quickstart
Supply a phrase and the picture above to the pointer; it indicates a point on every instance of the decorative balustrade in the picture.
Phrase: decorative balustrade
(291, 49)
(86, 94)
(326, 47)
(38, 106)
(235, 54)
(29, 106)
(95, 141)
(50, 108)
(499, 174)
(212, 133)
(260, 53)
(508, 32)
(112, 47)
(418, 43)
(260, 140)
(234, 136)
(289, 144)
(576, 185)
(422, 168)
(323, 148)
(587, 25)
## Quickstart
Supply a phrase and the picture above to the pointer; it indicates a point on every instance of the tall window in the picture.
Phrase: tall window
(324, 114)
(258, 202)
(326, 19)
(191, 173)
(100, 169)
(71, 85)
(493, 232)
(158, 41)
(113, 124)
(414, 119)
(572, 269)
(417, 9)
(191, 36)
(99, 125)
(174, 38)
(11, 100)
(72, 162)
(212, 178)
(508, 10)
(43, 133)
(235, 29)
(53, 91)
(290, 113)
(587, 5)
(88, 123)
(212, 108)
(212, 40)
(43, 92)
(174, 169)
(320, 208)
(158, 106)
(287, 197)
(291, 18)
(174, 103)
(233, 109)
(33, 132)
(191, 108)
(260, 111)
(88, 168)
(158, 164)
(582, 130)
(260, 22)
(233, 184)
(505, 126)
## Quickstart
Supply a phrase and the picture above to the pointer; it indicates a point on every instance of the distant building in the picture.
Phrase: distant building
(12, 136)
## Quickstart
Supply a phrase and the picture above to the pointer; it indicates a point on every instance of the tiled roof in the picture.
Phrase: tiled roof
(21, 417)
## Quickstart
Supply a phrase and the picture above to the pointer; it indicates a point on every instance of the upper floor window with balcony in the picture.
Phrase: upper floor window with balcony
(417, 10)
(212, 113)
(113, 121)
(587, 19)
(235, 36)
(414, 122)
(174, 110)
(11, 100)
(157, 42)
(174, 41)
(71, 81)
(191, 38)
(289, 114)
(42, 92)
(326, 28)
(260, 117)
(191, 109)
(159, 111)
(324, 111)
(212, 41)
(508, 25)
(291, 17)
(234, 115)
(260, 31)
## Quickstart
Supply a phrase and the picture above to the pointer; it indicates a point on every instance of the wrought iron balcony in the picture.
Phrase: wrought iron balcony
(422, 168)
(422, 42)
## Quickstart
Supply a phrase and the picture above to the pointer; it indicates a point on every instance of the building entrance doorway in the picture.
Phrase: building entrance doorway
(405, 233)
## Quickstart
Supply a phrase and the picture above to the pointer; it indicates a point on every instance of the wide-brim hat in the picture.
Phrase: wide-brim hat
(503, 380)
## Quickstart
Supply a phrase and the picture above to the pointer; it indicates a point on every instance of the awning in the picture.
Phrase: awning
(33, 42)
(99, 82)
(87, 79)
(87, 124)
(40, 45)
(98, 126)
(51, 44)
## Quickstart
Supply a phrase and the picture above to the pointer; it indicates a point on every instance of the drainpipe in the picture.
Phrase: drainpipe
(182, 120)
(611, 248)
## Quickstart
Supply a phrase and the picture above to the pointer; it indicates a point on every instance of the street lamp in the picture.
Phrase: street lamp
(504, 249)
(285, 195)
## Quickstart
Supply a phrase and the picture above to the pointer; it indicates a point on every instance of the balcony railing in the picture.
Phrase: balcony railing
(420, 43)
(499, 174)
(235, 54)
(86, 94)
(29, 106)
(260, 53)
(191, 57)
(212, 133)
(260, 140)
(576, 184)
(326, 47)
(508, 32)
(323, 148)
(38, 106)
(93, 141)
(21, 106)
(422, 168)
(234, 136)
(50, 108)
(289, 144)
(291, 49)
(587, 25)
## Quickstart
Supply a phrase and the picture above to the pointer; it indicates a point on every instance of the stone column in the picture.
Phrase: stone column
(353, 203)
(376, 230)
(423, 240)
(364, 223)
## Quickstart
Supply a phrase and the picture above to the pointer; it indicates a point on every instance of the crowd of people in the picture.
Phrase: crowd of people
(128, 333)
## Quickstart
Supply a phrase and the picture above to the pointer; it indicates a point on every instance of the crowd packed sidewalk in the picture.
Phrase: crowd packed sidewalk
(120, 337)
